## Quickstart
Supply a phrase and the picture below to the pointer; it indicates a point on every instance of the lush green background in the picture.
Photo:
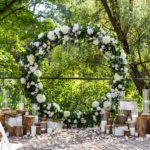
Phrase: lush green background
(22, 20)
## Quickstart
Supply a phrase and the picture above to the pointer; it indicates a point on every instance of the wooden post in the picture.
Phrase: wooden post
(148, 124)
(141, 125)
(28, 122)
(18, 131)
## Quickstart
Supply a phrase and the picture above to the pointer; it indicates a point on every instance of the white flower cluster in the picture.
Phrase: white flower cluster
(98, 37)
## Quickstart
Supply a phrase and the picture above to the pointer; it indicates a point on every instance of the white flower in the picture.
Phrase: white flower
(37, 44)
(107, 105)
(57, 32)
(75, 121)
(107, 55)
(66, 38)
(33, 69)
(123, 55)
(51, 36)
(126, 70)
(64, 29)
(41, 52)
(106, 39)
(120, 86)
(48, 106)
(51, 114)
(41, 98)
(23, 80)
(40, 85)
(95, 104)
(79, 114)
(98, 108)
(117, 77)
(90, 31)
(56, 106)
(69, 120)
(108, 95)
(38, 73)
(94, 118)
(44, 45)
(96, 42)
(66, 114)
(40, 35)
(31, 59)
(96, 114)
(76, 27)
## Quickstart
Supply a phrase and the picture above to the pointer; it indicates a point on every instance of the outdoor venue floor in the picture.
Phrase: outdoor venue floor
(81, 139)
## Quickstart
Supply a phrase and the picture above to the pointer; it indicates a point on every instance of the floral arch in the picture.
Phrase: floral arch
(46, 42)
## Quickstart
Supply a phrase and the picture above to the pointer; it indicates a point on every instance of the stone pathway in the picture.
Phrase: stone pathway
(81, 139)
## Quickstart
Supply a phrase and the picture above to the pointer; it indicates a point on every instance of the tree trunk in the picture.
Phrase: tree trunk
(140, 84)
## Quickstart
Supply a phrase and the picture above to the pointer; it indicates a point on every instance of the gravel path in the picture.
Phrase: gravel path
(81, 139)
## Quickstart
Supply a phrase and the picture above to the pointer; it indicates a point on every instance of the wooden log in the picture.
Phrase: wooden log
(121, 119)
(2, 119)
(141, 125)
(43, 125)
(148, 124)
(18, 131)
(127, 133)
(38, 128)
(10, 129)
(43, 119)
(28, 122)
(22, 112)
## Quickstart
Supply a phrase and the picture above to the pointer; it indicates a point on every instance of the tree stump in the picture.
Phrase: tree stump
(142, 125)
(28, 122)
(38, 128)
(22, 112)
(18, 131)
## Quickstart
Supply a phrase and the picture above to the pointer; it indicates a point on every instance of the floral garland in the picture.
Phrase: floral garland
(46, 42)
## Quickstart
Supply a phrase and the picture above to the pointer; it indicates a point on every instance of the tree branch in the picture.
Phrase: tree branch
(7, 7)
(117, 27)
(12, 12)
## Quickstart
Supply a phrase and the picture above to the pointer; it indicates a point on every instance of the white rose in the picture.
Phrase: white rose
(66, 114)
(51, 114)
(94, 118)
(64, 29)
(98, 108)
(40, 85)
(37, 44)
(40, 35)
(106, 39)
(33, 69)
(123, 55)
(96, 42)
(51, 36)
(31, 59)
(23, 80)
(90, 31)
(107, 105)
(69, 120)
(66, 38)
(117, 77)
(38, 73)
(95, 104)
(75, 121)
(44, 45)
(75, 28)
(57, 32)
(96, 114)
(108, 95)
(120, 86)
(126, 70)
(41, 98)
(41, 52)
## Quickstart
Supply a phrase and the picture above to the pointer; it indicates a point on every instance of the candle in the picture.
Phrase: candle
(119, 131)
(132, 131)
(136, 134)
(26, 113)
(33, 131)
(12, 122)
(36, 119)
(49, 130)
(19, 120)
(103, 125)
(21, 106)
